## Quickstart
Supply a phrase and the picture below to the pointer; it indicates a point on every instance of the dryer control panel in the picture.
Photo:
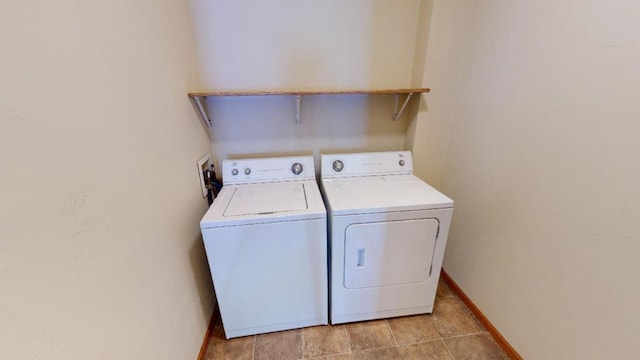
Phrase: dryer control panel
(363, 164)
(249, 171)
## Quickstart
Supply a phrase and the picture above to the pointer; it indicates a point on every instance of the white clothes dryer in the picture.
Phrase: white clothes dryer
(387, 236)
(266, 243)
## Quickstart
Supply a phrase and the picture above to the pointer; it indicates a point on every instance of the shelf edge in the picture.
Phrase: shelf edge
(311, 92)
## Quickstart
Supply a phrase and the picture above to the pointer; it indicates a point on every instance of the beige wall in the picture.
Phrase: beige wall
(543, 166)
(100, 256)
(314, 44)
(530, 127)
(439, 57)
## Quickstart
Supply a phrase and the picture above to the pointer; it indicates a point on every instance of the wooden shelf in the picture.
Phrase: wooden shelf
(310, 92)
(198, 98)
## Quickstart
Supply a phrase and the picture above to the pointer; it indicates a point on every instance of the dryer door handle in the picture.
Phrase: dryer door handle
(360, 262)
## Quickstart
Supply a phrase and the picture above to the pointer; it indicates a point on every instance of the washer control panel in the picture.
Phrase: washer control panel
(363, 164)
(246, 171)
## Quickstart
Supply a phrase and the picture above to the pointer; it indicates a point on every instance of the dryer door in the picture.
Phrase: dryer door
(389, 252)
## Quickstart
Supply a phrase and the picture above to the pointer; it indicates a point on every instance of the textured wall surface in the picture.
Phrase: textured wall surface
(100, 256)
(531, 128)
(543, 166)
(440, 55)
(316, 44)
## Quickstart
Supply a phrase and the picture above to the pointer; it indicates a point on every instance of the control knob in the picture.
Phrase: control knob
(338, 166)
(296, 168)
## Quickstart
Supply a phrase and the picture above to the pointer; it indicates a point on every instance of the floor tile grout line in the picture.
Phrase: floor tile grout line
(448, 350)
(346, 331)
(325, 356)
(253, 353)
(302, 342)
(419, 342)
(376, 348)
(434, 325)
(379, 347)
(393, 336)
(462, 335)
(348, 338)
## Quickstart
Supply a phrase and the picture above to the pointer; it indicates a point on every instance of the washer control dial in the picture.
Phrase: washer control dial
(338, 166)
(296, 168)
(247, 171)
(234, 172)
(401, 162)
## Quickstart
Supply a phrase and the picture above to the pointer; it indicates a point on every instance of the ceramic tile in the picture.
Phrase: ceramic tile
(370, 334)
(340, 357)
(479, 325)
(386, 353)
(432, 350)
(443, 290)
(324, 340)
(411, 329)
(223, 349)
(451, 318)
(347, 356)
(475, 347)
(417, 336)
(282, 345)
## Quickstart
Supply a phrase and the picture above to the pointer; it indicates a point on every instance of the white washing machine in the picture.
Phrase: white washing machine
(266, 242)
(387, 235)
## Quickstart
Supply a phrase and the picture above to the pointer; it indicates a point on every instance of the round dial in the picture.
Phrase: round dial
(296, 168)
(234, 172)
(247, 171)
(401, 162)
(338, 166)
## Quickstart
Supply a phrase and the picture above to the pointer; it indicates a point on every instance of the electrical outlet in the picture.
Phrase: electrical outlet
(203, 164)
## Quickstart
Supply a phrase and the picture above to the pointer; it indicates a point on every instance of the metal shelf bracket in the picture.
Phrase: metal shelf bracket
(298, 108)
(397, 113)
(199, 99)
(199, 102)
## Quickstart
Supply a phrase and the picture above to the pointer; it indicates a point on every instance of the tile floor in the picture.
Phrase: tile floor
(450, 333)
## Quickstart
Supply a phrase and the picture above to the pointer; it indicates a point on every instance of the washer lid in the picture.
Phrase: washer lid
(268, 198)
(274, 202)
